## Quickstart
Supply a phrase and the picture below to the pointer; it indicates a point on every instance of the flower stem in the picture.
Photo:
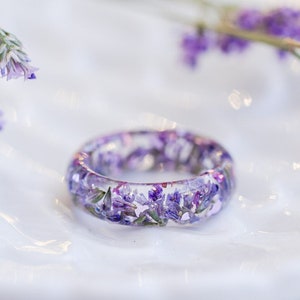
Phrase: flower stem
(225, 27)
(287, 44)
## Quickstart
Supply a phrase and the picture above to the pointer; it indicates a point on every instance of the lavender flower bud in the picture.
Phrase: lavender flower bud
(194, 44)
(14, 62)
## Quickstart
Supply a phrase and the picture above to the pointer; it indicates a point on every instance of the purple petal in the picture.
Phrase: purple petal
(228, 43)
(249, 19)
(193, 44)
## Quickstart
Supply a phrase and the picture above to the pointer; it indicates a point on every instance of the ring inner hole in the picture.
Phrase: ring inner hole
(152, 156)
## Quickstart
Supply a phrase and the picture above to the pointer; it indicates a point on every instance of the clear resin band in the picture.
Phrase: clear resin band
(92, 172)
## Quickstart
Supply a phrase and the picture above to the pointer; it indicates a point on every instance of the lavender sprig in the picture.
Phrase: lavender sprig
(236, 29)
(14, 62)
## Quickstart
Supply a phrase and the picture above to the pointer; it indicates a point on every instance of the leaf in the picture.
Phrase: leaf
(129, 213)
(107, 200)
(140, 220)
(99, 196)
(91, 209)
(154, 215)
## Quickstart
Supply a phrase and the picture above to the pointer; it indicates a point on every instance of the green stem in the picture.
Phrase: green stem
(295, 53)
(287, 44)
(283, 43)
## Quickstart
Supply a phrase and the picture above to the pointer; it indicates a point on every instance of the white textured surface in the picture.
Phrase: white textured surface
(105, 67)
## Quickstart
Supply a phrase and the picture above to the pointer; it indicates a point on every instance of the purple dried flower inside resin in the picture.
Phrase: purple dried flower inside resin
(124, 192)
(173, 208)
(219, 177)
(114, 216)
(175, 197)
(141, 198)
(174, 212)
(214, 189)
(156, 192)
(76, 180)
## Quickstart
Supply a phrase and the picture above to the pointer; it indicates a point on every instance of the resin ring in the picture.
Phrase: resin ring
(93, 171)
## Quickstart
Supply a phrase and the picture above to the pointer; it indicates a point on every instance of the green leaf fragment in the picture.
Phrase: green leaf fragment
(154, 215)
(99, 196)
(151, 218)
(107, 200)
(148, 223)
(129, 213)
(92, 211)
(140, 220)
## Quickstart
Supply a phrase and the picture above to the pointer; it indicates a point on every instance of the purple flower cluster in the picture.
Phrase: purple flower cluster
(284, 22)
(194, 44)
(123, 205)
(155, 193)
(281, 22)
(14, 62)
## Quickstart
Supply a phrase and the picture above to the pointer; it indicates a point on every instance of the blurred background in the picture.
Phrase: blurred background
(106, 66)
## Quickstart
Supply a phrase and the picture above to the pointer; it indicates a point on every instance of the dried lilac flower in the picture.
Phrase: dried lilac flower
(174, 198)
(14, 62)
(156, 192)
(173, 210)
